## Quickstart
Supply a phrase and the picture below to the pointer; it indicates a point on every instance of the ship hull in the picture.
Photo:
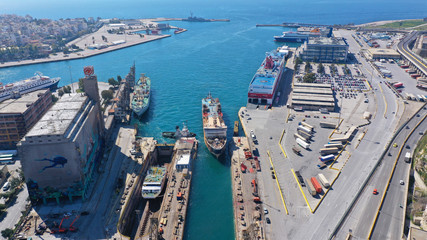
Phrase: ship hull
(52, 86)
(217, 152)
(140, 112)
(296, 40)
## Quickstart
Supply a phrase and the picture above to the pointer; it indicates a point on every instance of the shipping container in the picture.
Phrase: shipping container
(304, 129)
(342, 140)
(310, 188)
(316, 185)
(302, 143)
(325, 151)
(323, 180)
(321, 165)
(327, 158)
(398, 85)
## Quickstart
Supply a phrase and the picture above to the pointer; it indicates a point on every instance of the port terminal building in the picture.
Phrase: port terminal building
(382, 53)
(17, 116)
(323, 49)
(59, 154)
(313, 96)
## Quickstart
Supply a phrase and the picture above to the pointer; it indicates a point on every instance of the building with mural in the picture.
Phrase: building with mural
(59, 154)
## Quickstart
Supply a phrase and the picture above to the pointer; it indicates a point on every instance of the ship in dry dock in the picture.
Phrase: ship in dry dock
(214, 128)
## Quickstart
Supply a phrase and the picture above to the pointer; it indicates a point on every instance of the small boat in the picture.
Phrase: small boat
(236, 128)
(179, 133)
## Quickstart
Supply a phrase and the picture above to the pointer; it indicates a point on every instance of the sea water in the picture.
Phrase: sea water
(217, 57)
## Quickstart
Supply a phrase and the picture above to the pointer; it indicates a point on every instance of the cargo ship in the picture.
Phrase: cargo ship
(214, 128)
(264, 84)
(140, 98)
(38, 81)
(153, 182)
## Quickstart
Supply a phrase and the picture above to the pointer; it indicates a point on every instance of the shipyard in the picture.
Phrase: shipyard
(327, 140)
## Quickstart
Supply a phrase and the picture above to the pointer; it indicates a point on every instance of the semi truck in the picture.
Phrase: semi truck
(323, 180)
(304, 129)
(255, 188)
(316, 185)
(304, 134)
(296, 150)
(297, 135)
(331, 145)
(307, 125)
(310, 188)
(408, 157)
(302, 143)
(327, 125)
(327, 151)
(300, 179)
(398, 85)
(327, 158)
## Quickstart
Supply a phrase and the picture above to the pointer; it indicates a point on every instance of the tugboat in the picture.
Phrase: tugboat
(179, 133)
(214, 128)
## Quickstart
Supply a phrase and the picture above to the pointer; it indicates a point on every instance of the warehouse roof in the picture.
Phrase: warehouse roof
(61, 115)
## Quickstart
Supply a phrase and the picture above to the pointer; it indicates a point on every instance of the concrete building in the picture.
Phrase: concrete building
(121, 101)
(313, 96)
(382, 53)
(59, 154)
(322, 49)
(17, 116)
(420, 46)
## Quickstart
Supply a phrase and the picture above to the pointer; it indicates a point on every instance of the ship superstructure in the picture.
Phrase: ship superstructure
(153, 182)
(264, 84)
(140, 98)
(214, 128)
(38, 81)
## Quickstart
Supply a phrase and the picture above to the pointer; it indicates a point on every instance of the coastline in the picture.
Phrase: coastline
(378, 23)
(83, 54)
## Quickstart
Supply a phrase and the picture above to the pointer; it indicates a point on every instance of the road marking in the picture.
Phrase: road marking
(278, 185)
(280, 144)
(324, 195)
(300, 188)
(339, 154)
(391, 175)
(385, 101)
(336, 128)
(360, 140)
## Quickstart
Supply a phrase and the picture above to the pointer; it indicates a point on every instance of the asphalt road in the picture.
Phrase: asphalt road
(391, 218)
(14, 211)
(403, 48)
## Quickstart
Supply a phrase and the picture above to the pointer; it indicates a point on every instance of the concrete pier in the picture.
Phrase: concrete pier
(247, 212)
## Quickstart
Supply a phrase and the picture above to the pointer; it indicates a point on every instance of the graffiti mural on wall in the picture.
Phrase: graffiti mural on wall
(56, 162)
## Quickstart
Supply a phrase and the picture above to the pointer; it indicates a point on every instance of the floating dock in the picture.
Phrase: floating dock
(173, 210)
(246, 201)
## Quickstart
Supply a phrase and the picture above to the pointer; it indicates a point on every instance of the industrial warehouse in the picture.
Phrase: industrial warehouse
(313, 96)
(59, 153)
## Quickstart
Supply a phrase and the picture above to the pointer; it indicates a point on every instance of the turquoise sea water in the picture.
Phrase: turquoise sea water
(216, 57)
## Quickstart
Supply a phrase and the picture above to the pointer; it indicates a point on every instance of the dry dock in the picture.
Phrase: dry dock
(247, 212)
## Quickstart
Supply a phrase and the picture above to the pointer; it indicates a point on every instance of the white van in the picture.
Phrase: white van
(6, 186)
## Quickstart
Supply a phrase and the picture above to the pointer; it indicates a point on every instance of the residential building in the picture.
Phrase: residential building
(17, 116)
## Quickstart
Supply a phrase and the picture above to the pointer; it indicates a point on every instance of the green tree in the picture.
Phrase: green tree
(113, 82)
(307, 67)
(60, 92)
(309, 78)
(7, 233)
(14, 182)
(107, 95)
(119, 79)
(66, 89)
(81, 85)
(54, 98)
(320, 68)
(298, 60)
